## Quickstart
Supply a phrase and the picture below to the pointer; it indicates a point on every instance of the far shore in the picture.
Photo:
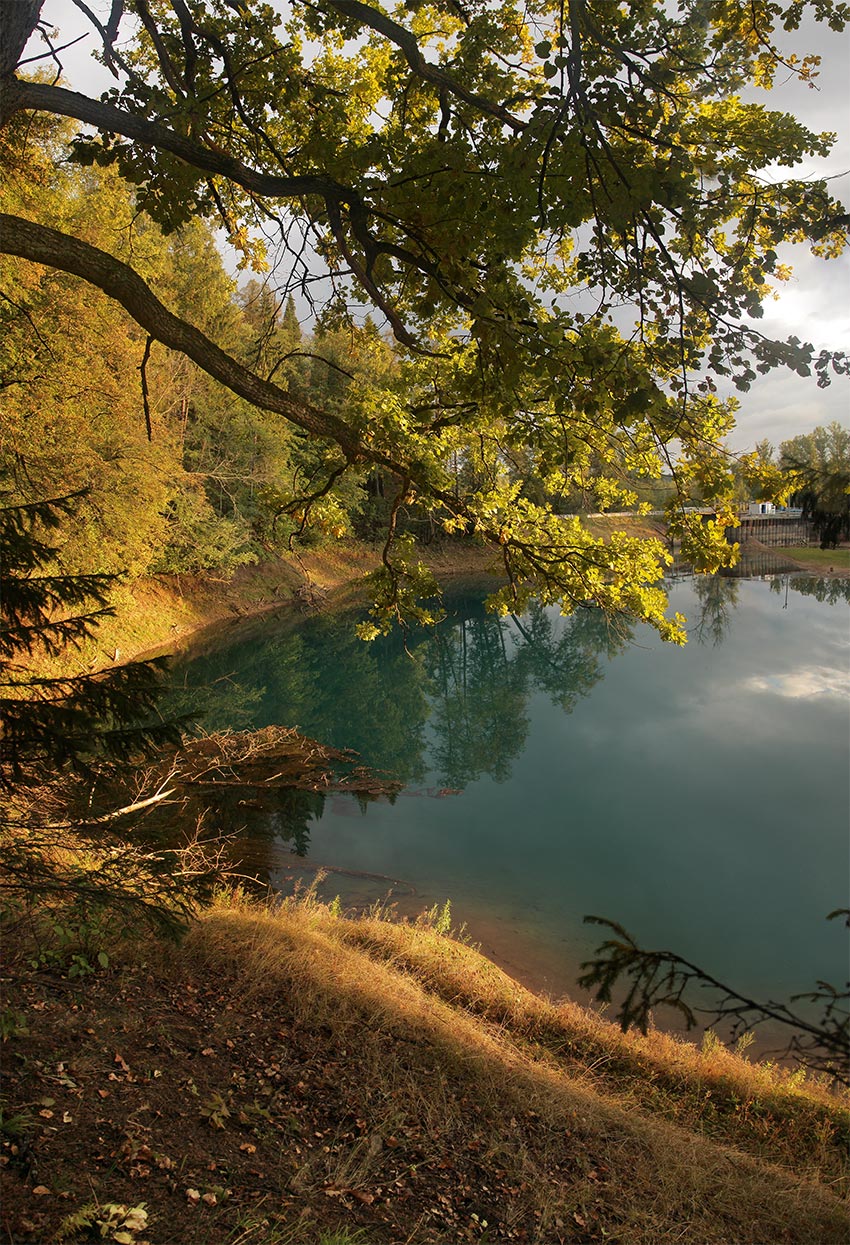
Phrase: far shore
(162, 614)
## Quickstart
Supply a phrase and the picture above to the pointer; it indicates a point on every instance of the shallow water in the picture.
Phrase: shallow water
(555, 767)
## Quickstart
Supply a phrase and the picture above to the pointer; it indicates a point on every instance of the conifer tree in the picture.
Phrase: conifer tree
(68, 869)
(53, 721)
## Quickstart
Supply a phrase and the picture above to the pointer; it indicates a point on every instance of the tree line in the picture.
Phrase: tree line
(179, 474)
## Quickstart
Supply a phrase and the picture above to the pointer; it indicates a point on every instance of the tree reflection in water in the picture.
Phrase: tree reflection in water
(443, 706)
(826, 591)
(447, 707)
(718, 600)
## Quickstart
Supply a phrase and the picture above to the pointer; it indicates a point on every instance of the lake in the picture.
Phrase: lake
(554, 767)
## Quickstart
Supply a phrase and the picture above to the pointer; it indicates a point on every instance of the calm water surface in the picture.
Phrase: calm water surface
(555, 767)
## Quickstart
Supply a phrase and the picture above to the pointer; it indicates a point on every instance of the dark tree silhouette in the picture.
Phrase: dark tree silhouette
(825, 499)
(661, 979)
(68, 744)
(53, 721)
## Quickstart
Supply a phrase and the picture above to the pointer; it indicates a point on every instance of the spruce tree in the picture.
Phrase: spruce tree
(51, 722)
(74, 868)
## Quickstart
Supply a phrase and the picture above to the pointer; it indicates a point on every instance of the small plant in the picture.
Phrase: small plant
(12, 1024)
(382, 910)
(215, 1110)
(13, 1126)
(305, 897)
(343, 1236)
(744, 1043)
(439, 919)
(711, 1043)
(72, 946)
(797, 1078)
(114, 1220)
(258, 1229)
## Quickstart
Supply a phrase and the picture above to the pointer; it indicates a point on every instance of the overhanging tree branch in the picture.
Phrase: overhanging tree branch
(42, 245)
(661, 978)
(19, 95)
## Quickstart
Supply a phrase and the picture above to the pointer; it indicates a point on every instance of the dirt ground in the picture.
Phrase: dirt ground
(285, 1074)
(233, 1124)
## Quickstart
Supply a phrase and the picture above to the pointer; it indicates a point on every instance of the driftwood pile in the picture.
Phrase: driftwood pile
(276, 757)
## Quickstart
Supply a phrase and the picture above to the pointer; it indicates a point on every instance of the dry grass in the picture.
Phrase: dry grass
(313, 1072)
(645, 526)
(693, 1146)
(775, 1112)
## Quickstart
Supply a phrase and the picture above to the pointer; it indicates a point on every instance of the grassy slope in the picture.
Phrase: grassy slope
(165, 611)
(819, 559)
(355, 1073)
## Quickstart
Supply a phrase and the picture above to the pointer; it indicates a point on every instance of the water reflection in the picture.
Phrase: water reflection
(718, 598)
(449, 707)
(278, 813)
(555, 767)
(755, 561)
(826, 591)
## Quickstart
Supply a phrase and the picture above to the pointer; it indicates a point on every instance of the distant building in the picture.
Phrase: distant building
(761, 507)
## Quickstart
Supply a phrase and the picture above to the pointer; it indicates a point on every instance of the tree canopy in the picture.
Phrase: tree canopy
(818, 464)
(567, 217)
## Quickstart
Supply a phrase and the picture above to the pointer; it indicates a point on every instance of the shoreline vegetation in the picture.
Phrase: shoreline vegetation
(164, 613)
(290, 1074)
(161, 614)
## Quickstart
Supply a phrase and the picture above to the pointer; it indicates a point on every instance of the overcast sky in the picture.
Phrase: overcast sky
(814, 305)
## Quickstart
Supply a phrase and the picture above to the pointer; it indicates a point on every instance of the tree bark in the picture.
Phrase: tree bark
(47, 246)
(19, 95)
(18, 20)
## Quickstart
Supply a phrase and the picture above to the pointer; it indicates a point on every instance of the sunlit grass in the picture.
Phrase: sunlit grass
(821, 559)
(741, 1150)
(360, 1067)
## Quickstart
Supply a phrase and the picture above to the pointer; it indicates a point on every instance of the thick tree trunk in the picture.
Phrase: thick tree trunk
(17, 22)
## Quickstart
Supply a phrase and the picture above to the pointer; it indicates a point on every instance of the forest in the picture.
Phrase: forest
(274, 278)
(183, 476)
(623, 244)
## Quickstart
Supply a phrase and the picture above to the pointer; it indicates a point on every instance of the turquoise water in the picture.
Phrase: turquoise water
(555, 767)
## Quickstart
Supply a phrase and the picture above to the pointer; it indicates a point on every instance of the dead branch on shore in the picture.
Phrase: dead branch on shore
(277, 757)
